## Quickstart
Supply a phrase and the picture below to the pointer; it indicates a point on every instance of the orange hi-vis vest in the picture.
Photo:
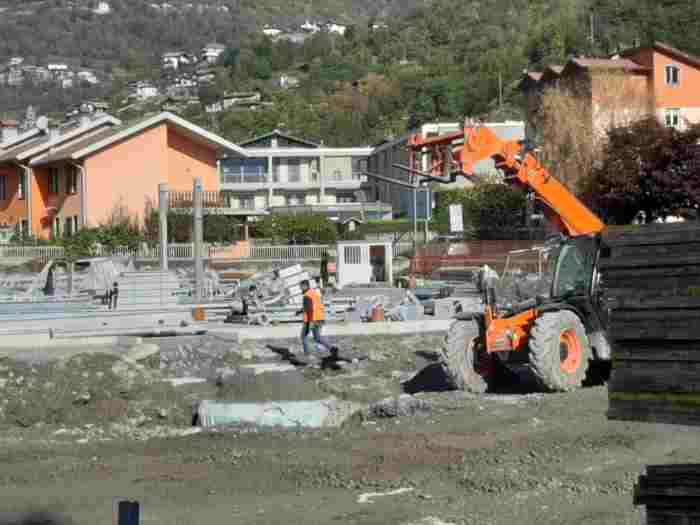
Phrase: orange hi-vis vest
(318, 312)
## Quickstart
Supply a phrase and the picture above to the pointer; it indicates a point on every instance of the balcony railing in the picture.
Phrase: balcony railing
(243, 178)
(183, 200)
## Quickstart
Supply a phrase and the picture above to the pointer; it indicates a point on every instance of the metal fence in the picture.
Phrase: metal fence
(289, 253)
(185, 251)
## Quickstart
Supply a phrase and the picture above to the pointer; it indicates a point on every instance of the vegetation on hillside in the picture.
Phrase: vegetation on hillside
(440, 59)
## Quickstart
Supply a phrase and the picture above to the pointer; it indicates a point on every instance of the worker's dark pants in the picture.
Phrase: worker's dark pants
(315, 329)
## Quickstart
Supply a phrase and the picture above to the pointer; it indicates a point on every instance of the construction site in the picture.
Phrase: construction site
(467, 383)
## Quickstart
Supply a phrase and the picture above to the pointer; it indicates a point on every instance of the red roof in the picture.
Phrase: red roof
(609, 63)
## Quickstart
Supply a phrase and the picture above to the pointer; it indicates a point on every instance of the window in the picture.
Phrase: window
(673, 118)
(24, 227)
(68, 227)
(345, 198)
(22, 187)
(56, 228)
(293, 170)
(295, 199)
(337, 175)
(3, 187)
(53, 180)
(237, 171)
(673, 75)
(248, 203)
(75, 224)
(72, 179)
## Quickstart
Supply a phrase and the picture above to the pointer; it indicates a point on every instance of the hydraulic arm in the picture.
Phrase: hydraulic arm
(450, 159)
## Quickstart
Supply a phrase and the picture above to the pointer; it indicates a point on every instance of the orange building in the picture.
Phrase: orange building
(657, 79)
(78, 178)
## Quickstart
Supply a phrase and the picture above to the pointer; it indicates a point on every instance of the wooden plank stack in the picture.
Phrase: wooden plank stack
(651, 282)
(670, 494)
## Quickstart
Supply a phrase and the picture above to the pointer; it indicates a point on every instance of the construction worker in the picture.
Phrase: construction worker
(314, 317)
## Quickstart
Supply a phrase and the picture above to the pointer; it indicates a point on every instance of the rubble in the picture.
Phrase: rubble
(401, 406)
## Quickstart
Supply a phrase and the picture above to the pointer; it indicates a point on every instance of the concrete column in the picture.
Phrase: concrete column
(321, 178)
(27, 174)
(197, 189)
(270, 181)
(427, 211)
(415, 217)
(163, 197)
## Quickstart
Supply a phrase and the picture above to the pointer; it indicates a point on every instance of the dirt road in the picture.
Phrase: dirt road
(79, 434)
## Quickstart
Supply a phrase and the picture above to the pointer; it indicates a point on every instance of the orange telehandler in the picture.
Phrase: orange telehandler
(558, 336)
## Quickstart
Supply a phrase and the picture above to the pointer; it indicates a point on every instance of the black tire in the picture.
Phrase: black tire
(558, 365)
(458, 357)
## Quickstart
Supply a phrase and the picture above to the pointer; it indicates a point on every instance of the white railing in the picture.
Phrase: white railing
(289, 253)
(31, 252)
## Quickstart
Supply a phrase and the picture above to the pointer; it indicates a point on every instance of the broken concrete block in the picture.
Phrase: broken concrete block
(141, 351)
(403, 405)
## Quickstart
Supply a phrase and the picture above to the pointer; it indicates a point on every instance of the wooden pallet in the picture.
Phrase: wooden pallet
(651, 282)
(670, 493)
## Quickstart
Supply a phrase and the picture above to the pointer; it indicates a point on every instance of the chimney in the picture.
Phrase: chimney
(9, 130)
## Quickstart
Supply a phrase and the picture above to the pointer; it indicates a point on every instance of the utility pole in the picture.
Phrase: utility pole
(197, 190)
(500, 90)
(163, 229)
(427, 211)
(415, 218)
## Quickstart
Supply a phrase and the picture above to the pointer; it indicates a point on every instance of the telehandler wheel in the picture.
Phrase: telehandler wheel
(462, 356)
(559, 351)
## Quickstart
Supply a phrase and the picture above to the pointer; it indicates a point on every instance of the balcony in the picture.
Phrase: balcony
(244, 181)
(353, 182)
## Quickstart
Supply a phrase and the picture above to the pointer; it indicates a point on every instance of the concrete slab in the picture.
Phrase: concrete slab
(291, 331)
(262, 368)
(289, 414)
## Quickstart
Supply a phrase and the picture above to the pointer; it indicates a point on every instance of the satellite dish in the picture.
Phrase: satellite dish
(42, 123)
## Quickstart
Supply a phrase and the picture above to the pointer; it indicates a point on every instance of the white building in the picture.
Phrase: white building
(88, 77)
(272, 32)
(310, 27)
(144, 90)
(103, 8)
(288, 81)
(336, 28)
(175, 59)
(285, 174)
(212, 52)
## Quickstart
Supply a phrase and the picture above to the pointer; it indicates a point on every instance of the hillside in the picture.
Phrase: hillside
(432, 59)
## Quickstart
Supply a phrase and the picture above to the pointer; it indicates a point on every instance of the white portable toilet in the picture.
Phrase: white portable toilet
(363, 262)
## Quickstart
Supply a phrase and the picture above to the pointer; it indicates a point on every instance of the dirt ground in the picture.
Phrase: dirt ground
(78, 433)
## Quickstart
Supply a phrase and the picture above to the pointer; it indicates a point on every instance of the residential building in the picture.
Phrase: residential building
(229, 100)
(9, 130)
(143, 90)
(11, 76)
(653, 80)
(211, 52)
(286, 174)
(310, 27)
(272, 32)
(288, 81)
(176, 59)
(336, 28)
(205, 75)
(57, 183)
(37, 74)
(88, 77)
(103, 8)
